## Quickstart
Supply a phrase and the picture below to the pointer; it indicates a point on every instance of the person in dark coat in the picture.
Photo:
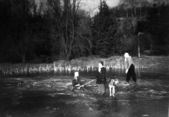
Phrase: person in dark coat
(101, 78)
(76, 81)
(130, 68)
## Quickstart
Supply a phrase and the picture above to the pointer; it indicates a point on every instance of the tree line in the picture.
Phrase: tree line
(60, 29)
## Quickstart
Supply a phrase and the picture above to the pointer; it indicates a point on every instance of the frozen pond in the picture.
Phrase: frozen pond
(51, 96)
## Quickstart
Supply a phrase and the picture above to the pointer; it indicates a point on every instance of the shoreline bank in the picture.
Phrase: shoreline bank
(146, 63)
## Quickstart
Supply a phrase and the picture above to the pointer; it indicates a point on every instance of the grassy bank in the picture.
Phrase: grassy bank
(148, 63)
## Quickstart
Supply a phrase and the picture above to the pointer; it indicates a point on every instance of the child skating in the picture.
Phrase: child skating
(113, 82)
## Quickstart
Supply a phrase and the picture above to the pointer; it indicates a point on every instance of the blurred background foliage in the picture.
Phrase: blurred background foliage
(60, 29)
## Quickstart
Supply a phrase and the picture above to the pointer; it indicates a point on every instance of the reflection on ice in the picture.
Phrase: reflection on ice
(52, 96)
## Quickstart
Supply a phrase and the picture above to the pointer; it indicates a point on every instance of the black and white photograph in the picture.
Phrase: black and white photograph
(84, 58)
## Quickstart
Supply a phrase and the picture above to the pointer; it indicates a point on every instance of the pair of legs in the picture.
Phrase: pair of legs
(101, 88)
(131, 73)
(111, 90)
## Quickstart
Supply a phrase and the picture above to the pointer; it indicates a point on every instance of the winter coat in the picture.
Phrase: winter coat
(101, 76)
(76, 81)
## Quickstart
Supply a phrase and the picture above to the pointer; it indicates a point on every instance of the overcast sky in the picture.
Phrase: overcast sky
(89, 5)
(92, 5)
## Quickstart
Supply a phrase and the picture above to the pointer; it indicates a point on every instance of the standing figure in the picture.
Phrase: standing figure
(130, 69)
(113, 82)
(101, 78)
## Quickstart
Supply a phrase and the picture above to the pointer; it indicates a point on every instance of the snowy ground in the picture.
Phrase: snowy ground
(51, 96)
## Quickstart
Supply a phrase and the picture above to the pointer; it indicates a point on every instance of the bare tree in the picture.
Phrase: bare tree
(25, 44)
(67, 33)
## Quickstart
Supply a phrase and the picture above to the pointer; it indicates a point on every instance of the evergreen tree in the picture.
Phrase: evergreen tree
(157, 24)
(103, 31)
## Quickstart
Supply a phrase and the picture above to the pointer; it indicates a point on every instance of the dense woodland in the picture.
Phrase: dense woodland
(60, 29)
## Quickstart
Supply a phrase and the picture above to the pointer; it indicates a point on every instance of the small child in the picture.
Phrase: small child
(76, 80)
(112, 85)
